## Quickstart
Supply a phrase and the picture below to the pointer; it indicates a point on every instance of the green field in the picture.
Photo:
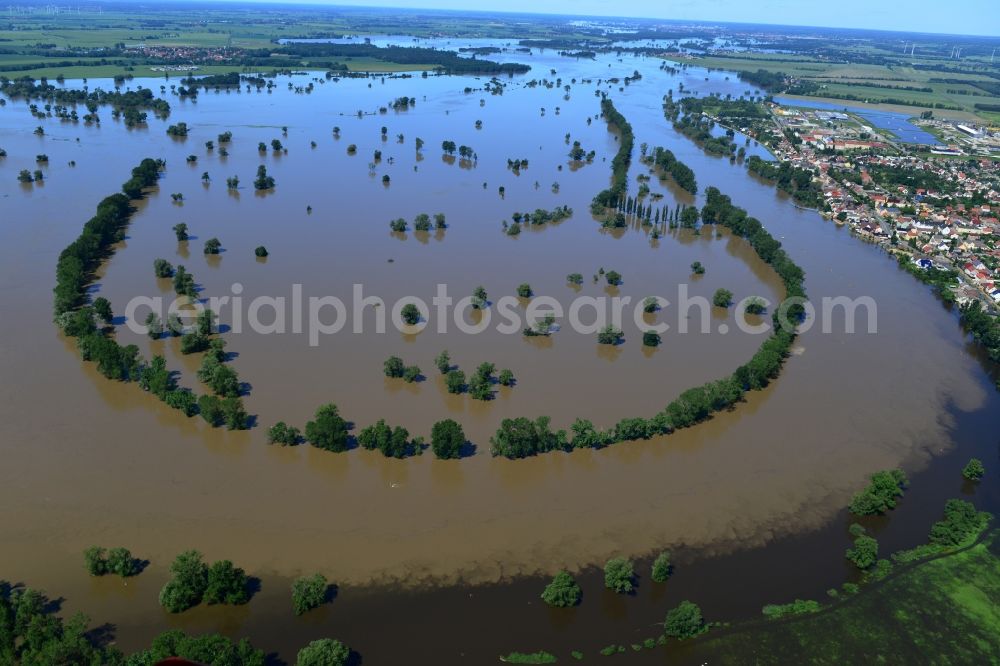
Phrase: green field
(253, 28)
(75, 45)
(944, 611)
(861, 80)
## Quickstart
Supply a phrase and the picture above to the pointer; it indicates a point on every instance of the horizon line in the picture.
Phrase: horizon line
(360, 5)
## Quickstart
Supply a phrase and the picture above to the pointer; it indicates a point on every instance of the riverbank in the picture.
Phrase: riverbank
(941, 611)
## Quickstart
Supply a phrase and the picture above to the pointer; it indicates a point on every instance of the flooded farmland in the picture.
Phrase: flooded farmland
(420, 543)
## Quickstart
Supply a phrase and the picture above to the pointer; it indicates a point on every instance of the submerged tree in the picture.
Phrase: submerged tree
(447, 439)
(309, 592)
(609, 335)
(443, 362)
(188, 583)
(410, 314)
(394, 367)
(974, 470)
(95, 561)
(479, 298)
(227, 584)
(282, 433)
(662, 567)
(562, 592)
(324, 652)
(329, 430)
(864, 553)
(154, 327)
(455, 381)
(422, 222)
(480, 388)
(263, 181)
(722, 298)
(755, 306)
(619, 575)
(684, 621)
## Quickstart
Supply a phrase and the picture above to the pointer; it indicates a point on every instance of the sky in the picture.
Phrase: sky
(960, 17)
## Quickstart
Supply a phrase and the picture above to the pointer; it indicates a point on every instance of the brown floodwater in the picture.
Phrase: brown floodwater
(420, 544)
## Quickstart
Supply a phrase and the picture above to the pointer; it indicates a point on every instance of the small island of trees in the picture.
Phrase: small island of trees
(328, 431)
(974, 470)
(117, 561)
(722, 298)
(263, 181)
(309, 592)
(619, 575)
(193, 582)
(684, 621)
(447, 439)
(562, 592)
(880, 494)
(666, 164)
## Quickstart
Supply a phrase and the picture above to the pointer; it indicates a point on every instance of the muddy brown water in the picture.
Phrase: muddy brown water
(444, 560)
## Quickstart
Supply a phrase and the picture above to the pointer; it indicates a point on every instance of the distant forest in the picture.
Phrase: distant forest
(448, 61)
